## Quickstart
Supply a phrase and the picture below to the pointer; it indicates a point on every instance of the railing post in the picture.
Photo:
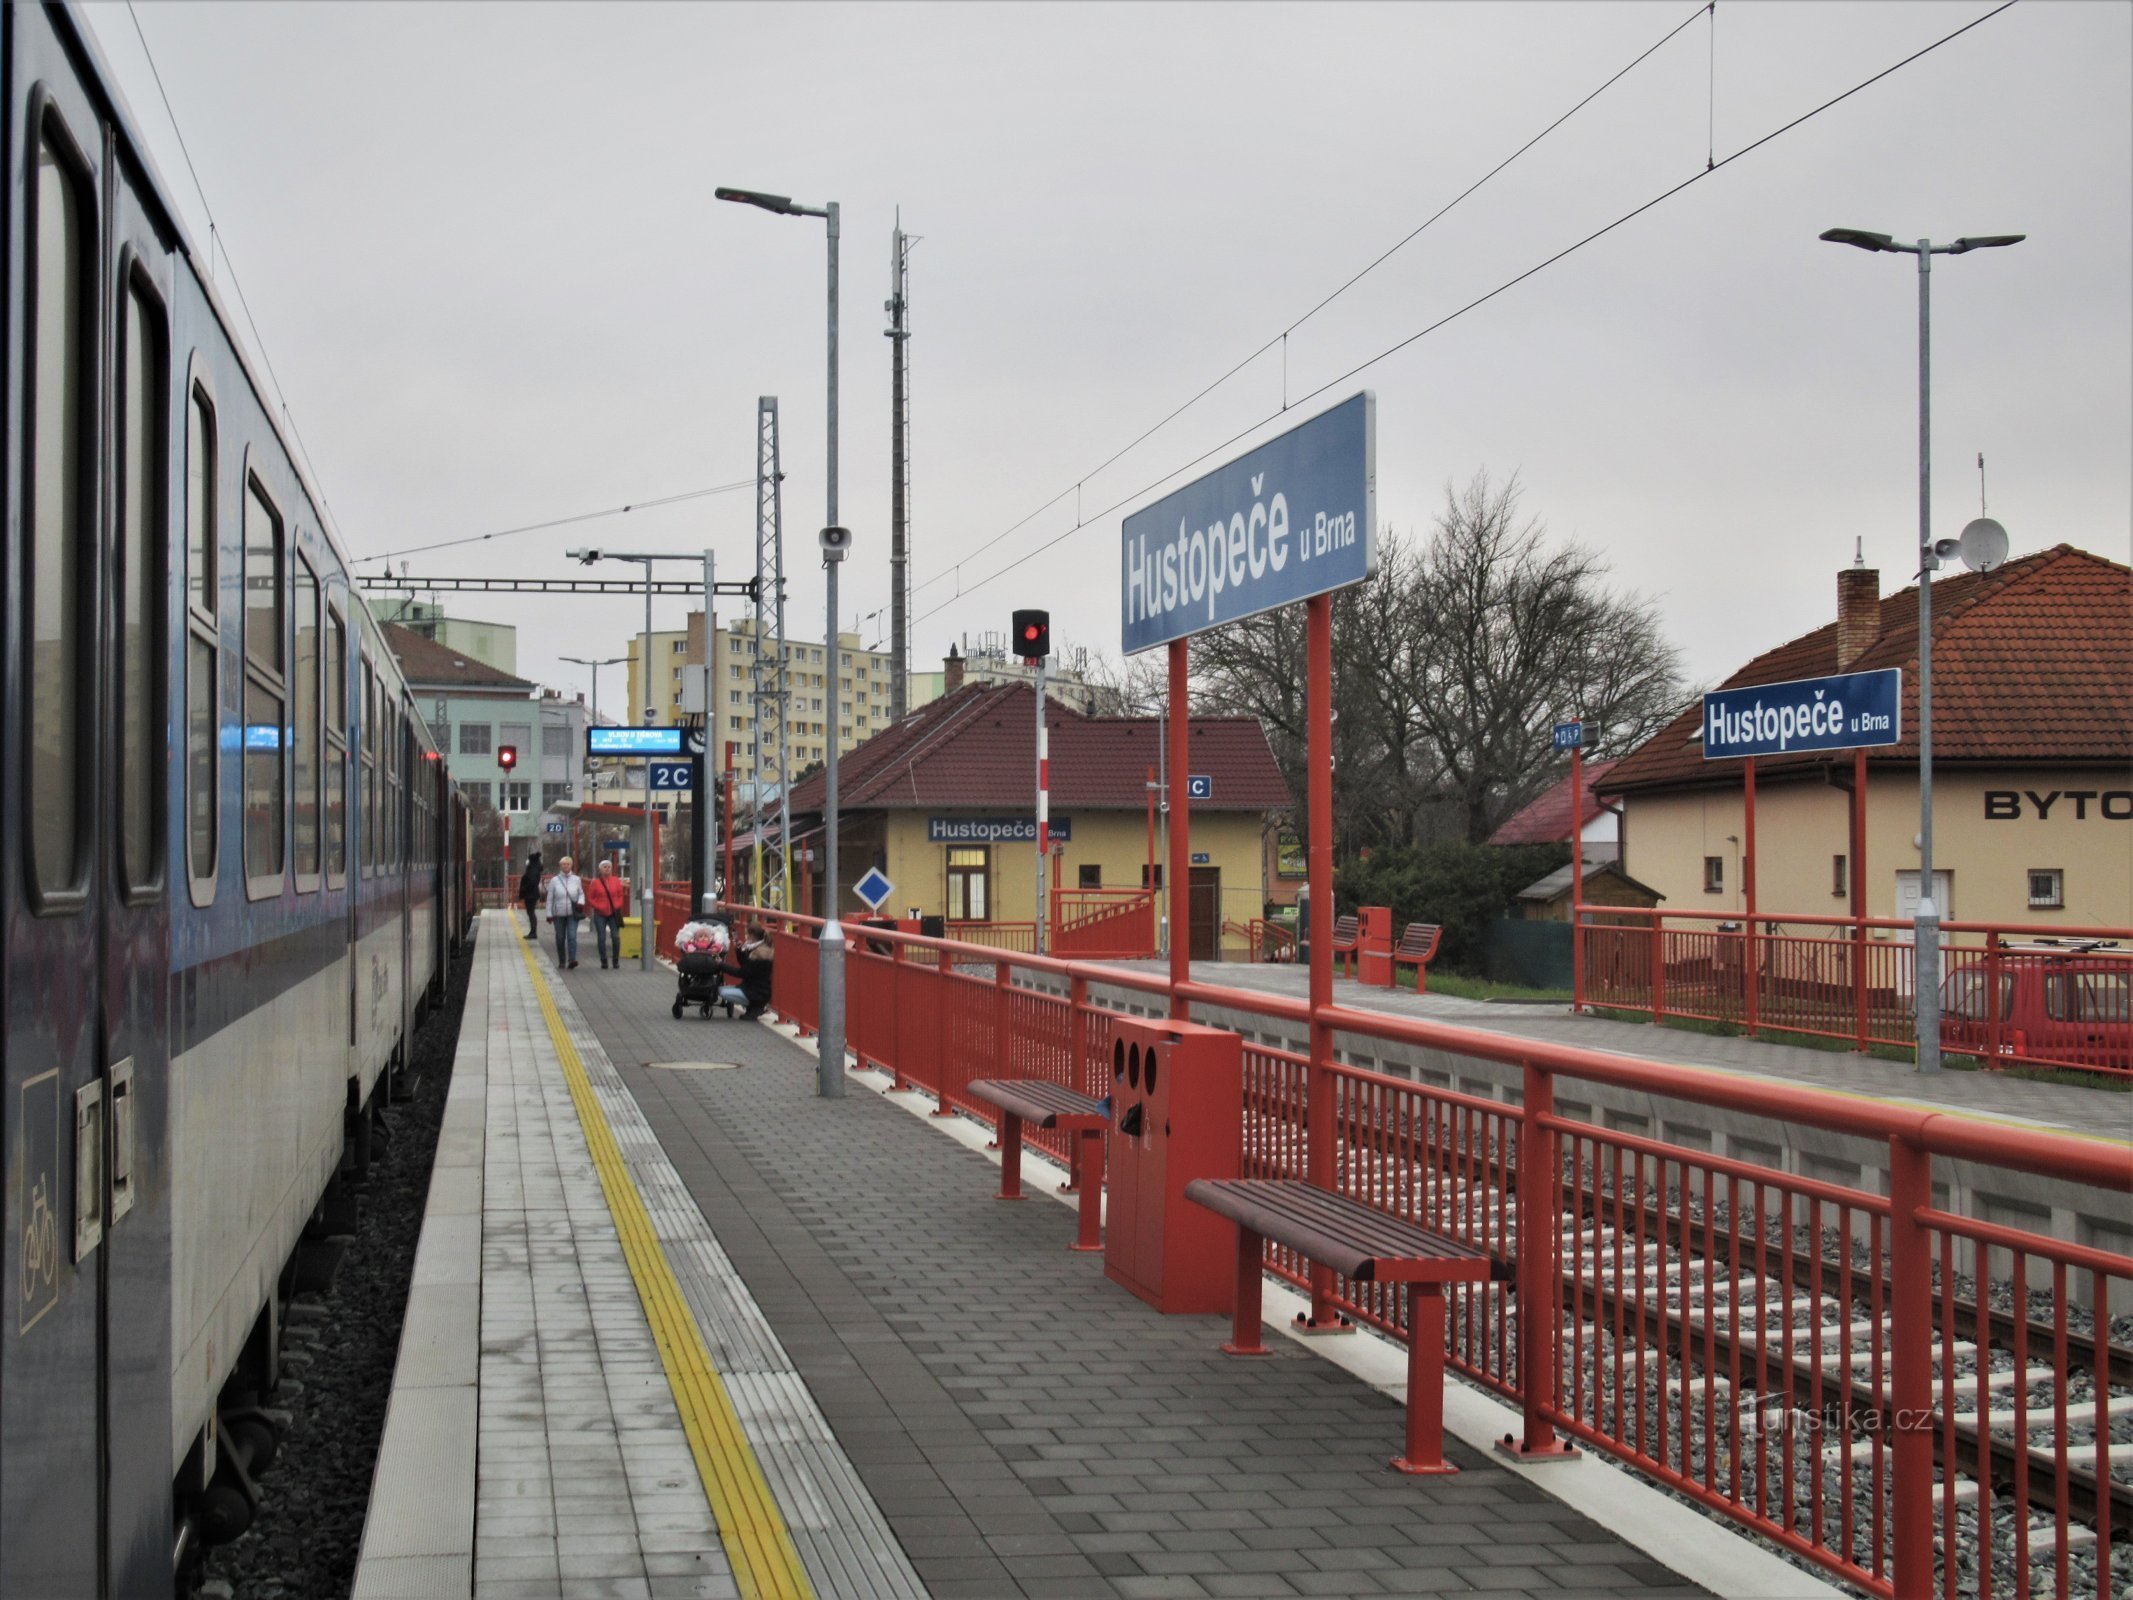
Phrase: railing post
(1995, 1037)
(1911, 1369)
(1751, 967)
(1539, 1272)
(1658, 968)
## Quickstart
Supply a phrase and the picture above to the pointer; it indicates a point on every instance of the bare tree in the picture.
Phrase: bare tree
(1138, 686)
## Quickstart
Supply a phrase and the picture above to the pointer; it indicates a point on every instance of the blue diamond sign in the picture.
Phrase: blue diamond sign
(874, 888)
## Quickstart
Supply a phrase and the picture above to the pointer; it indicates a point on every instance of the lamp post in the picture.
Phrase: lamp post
(1925, 935)
(647, 920)
(587, 661)
(830, 1018)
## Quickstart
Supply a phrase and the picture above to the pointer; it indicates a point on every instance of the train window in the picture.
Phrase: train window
(144, 369)
(336, 676)
(366, 791)
(62, 233)
(304, 759)
(266, 694)
(203, 642)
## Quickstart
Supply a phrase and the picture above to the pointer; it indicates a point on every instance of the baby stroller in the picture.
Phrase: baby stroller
(704, 980)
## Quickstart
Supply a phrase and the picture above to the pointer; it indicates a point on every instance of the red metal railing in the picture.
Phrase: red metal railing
(1103, 924)
(670, 910)
(1919, 1401)
(1268, 941)
(1853, 979)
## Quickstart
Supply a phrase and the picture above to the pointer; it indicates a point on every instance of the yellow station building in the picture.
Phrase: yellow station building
(944, 804)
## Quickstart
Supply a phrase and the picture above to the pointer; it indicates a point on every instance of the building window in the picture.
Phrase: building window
(477, 793)
(555, 739)
(968, 877)
(518, 735)
(552, 794)
(517, 794)
(1092, 876)
(1714, 874)
(1840, 882)
(2047, 889)
(473, 738)
(1157, 884)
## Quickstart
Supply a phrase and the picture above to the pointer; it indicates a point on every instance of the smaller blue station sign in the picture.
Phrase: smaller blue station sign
(1806, 714)
(1570, 736)
(1199, 786)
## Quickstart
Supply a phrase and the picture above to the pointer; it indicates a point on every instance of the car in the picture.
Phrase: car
(2069, 1003)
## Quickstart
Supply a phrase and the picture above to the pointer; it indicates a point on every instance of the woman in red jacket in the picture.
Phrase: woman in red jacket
(607, 897)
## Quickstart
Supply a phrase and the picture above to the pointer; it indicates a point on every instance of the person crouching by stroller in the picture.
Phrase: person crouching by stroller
(754, 969)
(607, 897)
(529, 893)
(566, 903)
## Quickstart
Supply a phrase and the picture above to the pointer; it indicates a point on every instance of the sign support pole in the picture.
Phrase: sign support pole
(1180, 885)
(729, 817)
(1318, 761)
(706, 800)
(1858, 888)
(1044, 813)
(1752, 972)
(1577, 876)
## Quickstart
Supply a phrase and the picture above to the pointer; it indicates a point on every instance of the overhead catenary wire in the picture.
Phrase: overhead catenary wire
(1508, 284)
(563, 522)
(1281, 339)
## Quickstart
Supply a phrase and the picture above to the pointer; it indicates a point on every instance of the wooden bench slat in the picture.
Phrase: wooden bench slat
(1355, 1240)
(1037, 1101)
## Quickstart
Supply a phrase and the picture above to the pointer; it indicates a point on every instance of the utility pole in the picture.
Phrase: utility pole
(769, 594)
(899, 335)
(706, 787)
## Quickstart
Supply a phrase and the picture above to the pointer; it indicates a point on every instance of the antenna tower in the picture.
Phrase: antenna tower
(898, 333)
(770, 674)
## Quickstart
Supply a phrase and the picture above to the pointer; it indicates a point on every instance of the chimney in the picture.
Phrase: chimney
(1858, 612)
(951, 672)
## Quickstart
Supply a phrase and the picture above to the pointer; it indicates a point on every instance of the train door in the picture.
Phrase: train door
(84, 824)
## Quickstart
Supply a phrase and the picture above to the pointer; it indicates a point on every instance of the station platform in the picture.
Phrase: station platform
(2075, 1108)
(681, 1327)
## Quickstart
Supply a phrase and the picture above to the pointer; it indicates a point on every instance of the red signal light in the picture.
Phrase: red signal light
(507, 756)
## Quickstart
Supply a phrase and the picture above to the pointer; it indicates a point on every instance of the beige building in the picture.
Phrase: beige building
(2032, 768)
(988, 661)
(493, 644)
(944, 804)
(739, 662)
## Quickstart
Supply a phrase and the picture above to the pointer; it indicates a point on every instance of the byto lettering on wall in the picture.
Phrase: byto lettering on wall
(2077, 805)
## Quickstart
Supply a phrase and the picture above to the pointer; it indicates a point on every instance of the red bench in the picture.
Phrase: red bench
(1345, 931)
(1361, 1243)
(1417, 945)
(1044, 1104)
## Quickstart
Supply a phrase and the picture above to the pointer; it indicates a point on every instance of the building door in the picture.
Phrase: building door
(1206, 912)
(1907, 898)
(969, 883)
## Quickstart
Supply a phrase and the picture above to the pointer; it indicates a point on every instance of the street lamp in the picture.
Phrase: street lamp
(829, 1078)
(1925, 934)
(647, 914)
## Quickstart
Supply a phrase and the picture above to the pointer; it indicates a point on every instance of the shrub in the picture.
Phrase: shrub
(1462, 887)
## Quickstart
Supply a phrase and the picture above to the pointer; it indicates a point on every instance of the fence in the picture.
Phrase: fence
(1886, 1389)
(1854, 979)
(1103, 924)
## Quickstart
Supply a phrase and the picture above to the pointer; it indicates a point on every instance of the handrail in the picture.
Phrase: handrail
(1944, 1133)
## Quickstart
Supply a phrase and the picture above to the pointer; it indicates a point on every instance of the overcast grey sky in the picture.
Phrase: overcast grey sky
(482, 250)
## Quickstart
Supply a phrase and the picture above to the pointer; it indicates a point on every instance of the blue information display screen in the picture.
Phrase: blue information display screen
(633, 742)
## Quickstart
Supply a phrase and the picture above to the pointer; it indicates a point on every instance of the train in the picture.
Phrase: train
(233, 864)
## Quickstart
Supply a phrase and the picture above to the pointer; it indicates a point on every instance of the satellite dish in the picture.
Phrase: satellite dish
(1983, 545)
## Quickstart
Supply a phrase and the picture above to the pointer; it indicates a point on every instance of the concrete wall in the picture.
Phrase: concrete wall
(2086, 832)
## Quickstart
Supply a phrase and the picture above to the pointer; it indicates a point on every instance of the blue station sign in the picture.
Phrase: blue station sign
(672, 774)
(993, 830)
(1294, 518)
(1570, 736)
(1806, 714)
(634, 742)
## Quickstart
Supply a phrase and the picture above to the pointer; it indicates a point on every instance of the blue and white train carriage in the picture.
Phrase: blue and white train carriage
(232, 863)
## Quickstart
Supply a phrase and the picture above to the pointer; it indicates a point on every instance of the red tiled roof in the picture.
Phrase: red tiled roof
(2031, 663)
(427, 664)
(977, 747)
(1547, 820)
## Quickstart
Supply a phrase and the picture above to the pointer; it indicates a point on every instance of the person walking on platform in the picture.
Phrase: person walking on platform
(607, 897)
(529, 892)
(566, 903)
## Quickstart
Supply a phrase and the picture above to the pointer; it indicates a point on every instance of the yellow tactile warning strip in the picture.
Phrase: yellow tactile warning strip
(758, 1544)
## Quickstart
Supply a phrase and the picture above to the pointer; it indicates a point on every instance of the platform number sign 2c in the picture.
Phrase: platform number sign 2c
(672, 774)
(874, 888)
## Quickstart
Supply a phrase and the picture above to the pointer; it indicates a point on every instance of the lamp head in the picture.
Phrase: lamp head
(1988, 241)
(780, 203)
(1859, 238)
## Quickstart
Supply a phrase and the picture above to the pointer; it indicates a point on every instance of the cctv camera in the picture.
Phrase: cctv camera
(836, 543)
